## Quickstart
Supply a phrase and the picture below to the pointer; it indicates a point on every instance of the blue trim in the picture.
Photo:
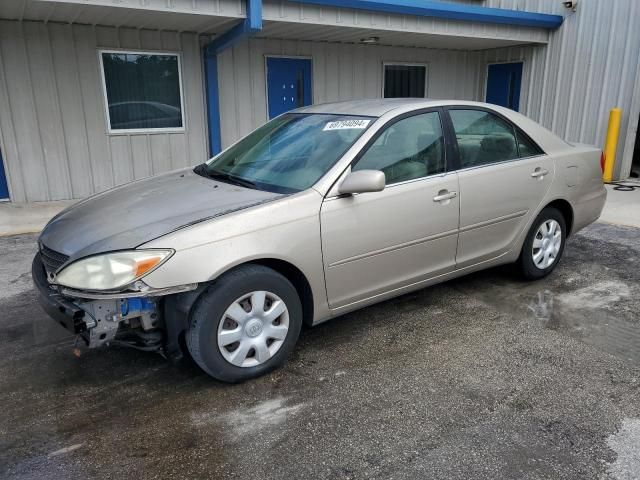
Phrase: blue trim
(250, 25)
(452, 11)
(213, 103)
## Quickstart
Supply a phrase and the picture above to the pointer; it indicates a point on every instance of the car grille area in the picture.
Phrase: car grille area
(51, 259)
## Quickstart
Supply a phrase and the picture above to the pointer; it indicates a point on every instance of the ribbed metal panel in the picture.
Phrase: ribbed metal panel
(590, 66)
(52, 117)
(340, 72)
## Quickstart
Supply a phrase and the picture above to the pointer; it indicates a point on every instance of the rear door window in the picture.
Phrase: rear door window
(483, 138)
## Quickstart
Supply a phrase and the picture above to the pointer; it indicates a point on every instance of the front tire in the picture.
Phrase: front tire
(245, 324)
(543, 245)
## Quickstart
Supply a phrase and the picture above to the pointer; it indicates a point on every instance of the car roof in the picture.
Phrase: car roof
(379, 106)
(369, 108)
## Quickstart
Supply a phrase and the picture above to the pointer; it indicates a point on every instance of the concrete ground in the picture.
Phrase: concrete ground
(482, 377)
(17, 218)
(623, 205)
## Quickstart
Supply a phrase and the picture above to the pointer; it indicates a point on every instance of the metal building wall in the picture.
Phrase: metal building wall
(591, 65)
(340, 72)
(53, 130)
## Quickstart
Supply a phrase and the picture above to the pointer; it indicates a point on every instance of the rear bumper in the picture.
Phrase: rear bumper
(589, 209)
(64, 312)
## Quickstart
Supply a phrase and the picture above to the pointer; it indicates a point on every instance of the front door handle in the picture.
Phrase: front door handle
(539, 172)
(444, 195)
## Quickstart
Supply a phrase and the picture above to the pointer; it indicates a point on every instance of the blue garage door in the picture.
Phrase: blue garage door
(288, 84)
(4, 189)
(503, 84)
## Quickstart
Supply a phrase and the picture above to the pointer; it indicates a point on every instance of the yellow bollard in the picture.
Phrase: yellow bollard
(613, 132)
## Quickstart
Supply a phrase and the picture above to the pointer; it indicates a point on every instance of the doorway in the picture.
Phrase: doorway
(504, 81)
(635, 162)
(288, 84)
(4, 188)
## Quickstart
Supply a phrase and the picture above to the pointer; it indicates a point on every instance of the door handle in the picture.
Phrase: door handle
(444, 195)
(539, 172)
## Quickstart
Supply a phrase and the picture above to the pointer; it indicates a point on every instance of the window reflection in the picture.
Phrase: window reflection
(143, 91)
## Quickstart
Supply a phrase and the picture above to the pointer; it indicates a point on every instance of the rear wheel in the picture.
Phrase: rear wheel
(543, 245)
(245, 324)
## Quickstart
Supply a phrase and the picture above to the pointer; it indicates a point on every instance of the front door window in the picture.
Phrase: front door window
(408, 149)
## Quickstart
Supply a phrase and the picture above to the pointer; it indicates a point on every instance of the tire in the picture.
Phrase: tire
(213, 321)
(533, 269)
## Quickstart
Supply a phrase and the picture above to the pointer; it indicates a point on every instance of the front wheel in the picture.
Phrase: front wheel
(544, 244)
(245, 324)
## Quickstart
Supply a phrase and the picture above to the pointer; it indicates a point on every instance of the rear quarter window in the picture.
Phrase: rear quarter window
(526, 146)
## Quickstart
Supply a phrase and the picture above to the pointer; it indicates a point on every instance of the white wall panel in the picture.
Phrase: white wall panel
(53, 128)
(340, 72)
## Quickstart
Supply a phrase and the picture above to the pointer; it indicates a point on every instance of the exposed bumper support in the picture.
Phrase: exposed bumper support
(110, 318)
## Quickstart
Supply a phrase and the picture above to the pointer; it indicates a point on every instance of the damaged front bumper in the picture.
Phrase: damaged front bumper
(127, 318)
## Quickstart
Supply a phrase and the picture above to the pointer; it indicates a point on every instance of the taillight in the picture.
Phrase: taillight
(602, 159)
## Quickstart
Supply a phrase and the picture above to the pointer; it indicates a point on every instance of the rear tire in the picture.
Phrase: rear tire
(245, 324)
(544, 244)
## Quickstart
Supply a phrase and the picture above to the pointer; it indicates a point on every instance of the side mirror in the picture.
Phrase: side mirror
(362, 181)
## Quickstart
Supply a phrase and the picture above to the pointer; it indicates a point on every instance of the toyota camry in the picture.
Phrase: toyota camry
(319, 212)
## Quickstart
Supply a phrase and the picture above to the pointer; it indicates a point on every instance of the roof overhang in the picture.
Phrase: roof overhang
(298, 20)
(412, 23)
(177, 15)
(449, 11)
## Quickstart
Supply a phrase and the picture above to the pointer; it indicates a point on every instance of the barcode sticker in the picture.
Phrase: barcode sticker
(346, 124)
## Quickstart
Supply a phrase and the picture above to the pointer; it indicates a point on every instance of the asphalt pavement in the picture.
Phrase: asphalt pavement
(486, 376)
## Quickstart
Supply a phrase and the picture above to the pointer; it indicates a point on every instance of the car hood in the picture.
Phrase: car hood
(136, 213)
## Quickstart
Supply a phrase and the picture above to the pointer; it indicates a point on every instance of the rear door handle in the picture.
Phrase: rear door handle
(539, 172)
(444, 195)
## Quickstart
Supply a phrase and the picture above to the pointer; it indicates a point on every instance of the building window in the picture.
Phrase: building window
(402, 80)
(142, 90)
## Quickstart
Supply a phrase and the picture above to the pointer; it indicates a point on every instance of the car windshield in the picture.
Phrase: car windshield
(288, 154)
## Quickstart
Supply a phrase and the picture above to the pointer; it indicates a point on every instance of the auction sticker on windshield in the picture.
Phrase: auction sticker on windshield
(346, 124)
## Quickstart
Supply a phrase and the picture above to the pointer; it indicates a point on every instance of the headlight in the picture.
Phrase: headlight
(112, 270)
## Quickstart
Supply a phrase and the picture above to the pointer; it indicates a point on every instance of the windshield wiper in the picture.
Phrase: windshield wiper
(230, 178)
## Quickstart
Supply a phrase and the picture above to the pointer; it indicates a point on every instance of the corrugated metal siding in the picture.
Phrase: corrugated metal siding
(590, 66)
(52, 124)
(340, 72)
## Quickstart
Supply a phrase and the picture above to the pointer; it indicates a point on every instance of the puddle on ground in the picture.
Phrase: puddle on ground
(582, 314)
(599, 314)
(248, 421)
